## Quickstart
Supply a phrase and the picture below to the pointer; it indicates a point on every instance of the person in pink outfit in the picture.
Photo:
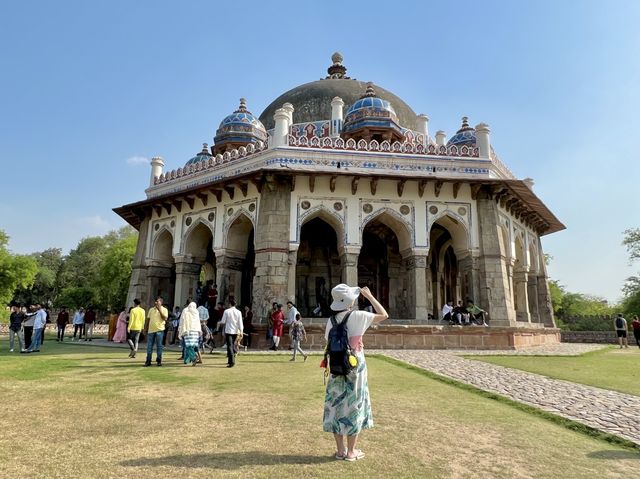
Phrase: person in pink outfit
(120, 336)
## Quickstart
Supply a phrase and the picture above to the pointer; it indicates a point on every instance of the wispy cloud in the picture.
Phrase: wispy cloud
(137, 160)
(93, 224)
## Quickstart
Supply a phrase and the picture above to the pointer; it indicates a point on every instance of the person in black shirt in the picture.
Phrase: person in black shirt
(15, 327)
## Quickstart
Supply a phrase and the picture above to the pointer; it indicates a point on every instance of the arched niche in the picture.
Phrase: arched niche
(162, 250)
(318, 266)
(198, 241)
(392, 219)
(329, 217)
(457, 229)
(239, 264)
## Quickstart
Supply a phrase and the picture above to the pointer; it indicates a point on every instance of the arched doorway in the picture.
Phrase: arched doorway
(162, 269)
(380, 264)
(318, 267)
(198, 262)
(239, 264)
(450, 265)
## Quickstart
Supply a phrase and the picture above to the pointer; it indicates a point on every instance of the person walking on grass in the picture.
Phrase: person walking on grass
(89, 321)
(135, 327)
(158, 316)
(277, 317)
(61, 321)
(635, 324)
(298, 334)
(233, 328)
(39, 323)
(621, 330)
(15, 327)
(347, 408)
(78, 324)
(190, 332)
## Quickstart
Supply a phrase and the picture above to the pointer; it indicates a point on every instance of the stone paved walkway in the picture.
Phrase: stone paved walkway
(608, 411)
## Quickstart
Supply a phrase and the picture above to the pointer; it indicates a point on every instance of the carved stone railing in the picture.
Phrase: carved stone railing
(383, 147)
(212, 162)
(500, 166)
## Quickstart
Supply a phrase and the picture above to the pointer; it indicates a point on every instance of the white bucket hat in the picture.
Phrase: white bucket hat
(343, 296)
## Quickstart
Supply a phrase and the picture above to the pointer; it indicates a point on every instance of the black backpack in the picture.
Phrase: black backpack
(338, 349)
(619, 323)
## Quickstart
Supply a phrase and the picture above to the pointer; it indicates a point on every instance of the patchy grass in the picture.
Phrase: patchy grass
(89, 412)
(610, 368)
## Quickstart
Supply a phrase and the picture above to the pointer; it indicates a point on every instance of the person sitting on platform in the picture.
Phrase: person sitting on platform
(460, 314)
(446, 312)
(477, 314)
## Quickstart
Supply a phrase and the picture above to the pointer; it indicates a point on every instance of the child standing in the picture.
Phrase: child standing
(297, 334)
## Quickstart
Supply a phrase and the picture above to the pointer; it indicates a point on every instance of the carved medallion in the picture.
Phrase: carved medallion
(462, 211)
(211, 216)
(173, 223)
(252, 207)
(337, 206)
(405, 210)
(188, 221)
(156, 227)
(433, 210)
(367, 208)
(305, 205)
(229, 211)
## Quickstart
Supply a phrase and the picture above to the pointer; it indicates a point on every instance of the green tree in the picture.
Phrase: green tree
(46, 284)
(16, 271)
(115, 271)
(631, 289)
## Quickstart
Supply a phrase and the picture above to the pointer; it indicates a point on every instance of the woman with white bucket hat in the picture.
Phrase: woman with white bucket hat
(347, 408)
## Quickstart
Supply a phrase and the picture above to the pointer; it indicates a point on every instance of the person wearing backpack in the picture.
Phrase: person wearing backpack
(621, 330)
(347, 408)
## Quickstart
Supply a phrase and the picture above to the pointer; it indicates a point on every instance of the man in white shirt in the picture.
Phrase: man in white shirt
(39, 323)
(203, 313)
(292, 311)
(232, 321)
(446, 312)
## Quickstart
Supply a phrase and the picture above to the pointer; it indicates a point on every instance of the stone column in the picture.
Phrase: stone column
(493, 293)
(520, 279)
(292, 263)
(222, 274)
(532, 295)
(138, 282)
(159, 284)
(349, 264)
(545, 308)
(187, 276)
(272, 244)
(416, 265)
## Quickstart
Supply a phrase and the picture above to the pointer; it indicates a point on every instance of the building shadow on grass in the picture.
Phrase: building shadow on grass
(614, 455)
(227, 460)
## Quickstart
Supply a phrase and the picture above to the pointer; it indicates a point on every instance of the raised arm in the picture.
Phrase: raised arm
(381, 313)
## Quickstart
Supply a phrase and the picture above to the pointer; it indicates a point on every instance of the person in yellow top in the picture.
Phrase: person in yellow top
(135, 327)
(155, 332)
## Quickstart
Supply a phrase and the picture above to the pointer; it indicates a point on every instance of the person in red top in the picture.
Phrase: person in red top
(62, 321)
(635, 324)
(278, 320)
(89, 320)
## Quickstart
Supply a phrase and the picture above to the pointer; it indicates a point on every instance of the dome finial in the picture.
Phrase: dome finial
(243, 106)
(370, 92)
(337, 69)
(205, 148)
(465, 125)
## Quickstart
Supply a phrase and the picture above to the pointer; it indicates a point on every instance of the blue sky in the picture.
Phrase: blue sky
(86, 88)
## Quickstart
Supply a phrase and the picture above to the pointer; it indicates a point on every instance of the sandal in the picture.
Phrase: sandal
(341, 456)
(358, 454)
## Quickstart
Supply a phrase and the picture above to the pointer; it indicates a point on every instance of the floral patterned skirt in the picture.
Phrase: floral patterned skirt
(347, 408)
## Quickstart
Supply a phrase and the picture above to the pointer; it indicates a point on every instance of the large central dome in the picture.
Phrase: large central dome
(312, 101)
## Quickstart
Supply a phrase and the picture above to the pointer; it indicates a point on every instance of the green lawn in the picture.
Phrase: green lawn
(610, 368)
(76, 411)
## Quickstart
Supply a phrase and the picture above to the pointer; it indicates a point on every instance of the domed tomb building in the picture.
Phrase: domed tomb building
(339, 180)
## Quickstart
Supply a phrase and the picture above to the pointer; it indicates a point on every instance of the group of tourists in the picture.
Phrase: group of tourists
(275, 328)
(462, 315)
(27, 325)
(621, 327)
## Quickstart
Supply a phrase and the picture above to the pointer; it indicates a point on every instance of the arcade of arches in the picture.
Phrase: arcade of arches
(384, 262)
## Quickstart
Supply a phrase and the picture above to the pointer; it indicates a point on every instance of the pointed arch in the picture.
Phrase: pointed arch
(395, 222)
(330, 217)
(457, 228)
(162, 246)
(197, 239)
(237, 231)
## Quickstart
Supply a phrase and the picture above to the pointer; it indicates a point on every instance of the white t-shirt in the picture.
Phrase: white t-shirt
(232, 320)
(358, 323)
(446, 309)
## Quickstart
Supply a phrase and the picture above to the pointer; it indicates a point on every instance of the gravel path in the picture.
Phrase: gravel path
(609, 411)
